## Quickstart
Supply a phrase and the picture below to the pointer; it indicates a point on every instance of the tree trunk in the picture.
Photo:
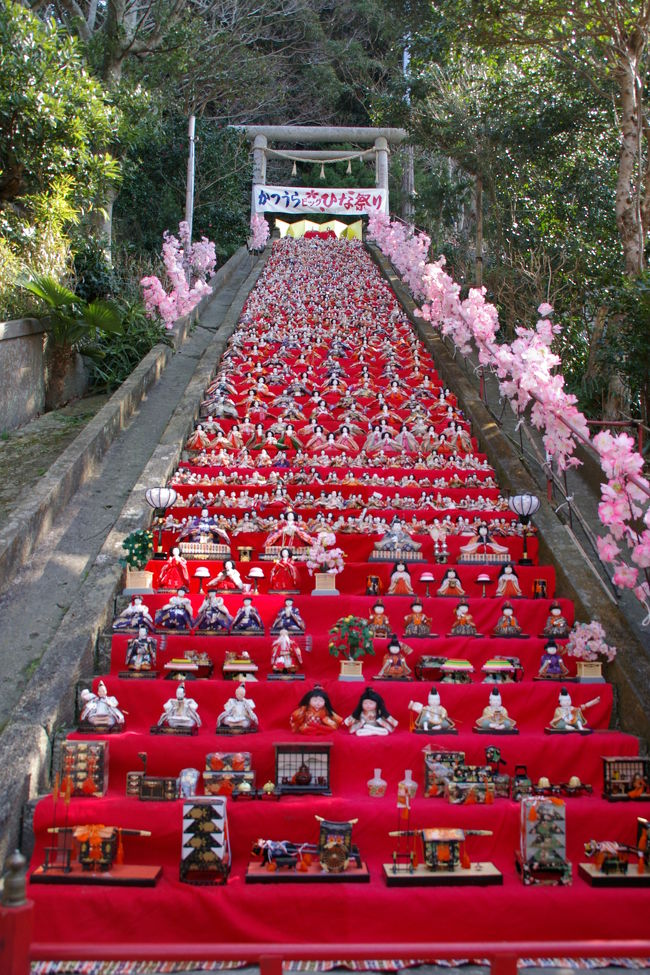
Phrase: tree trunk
(479, 232)
(628, 214)
(101, 221)
(408, 185)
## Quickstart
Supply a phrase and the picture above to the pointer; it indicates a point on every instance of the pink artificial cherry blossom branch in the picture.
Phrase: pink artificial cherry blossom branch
(184, 296)
(528, 372)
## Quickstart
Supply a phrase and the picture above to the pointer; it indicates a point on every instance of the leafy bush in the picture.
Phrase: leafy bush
(120, 354)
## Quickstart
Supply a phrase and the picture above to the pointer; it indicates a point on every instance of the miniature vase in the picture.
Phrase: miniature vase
(407, 787)
(376, 785)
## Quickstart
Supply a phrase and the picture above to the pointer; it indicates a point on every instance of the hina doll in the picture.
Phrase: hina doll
(429, 442)
(213, 617)
(199, 440)
(507, 624)
(495, 717)
(174, 573)
(552, 667)
(379, 622)
(318, 440)
(288, 532)
(100, 711)
(285, 654)
(406, 441)
(482, 544)
(176, 614)
(400, 581)
(180, 713)
(346, 442)
(288, 439)
(235, 438)
(371, 716)
(373, 439)
(568, 717)
(315, 714)
(508, 582)
(247, 620)
(238, 715)
(556, 626)
(464, 624)
(284, 574)
(133, 616)
(204, 527)
(227, 580)
(417, 623)
(141, 652)
(431, 716)
(450, 585)
(394, 665)
(288, 618)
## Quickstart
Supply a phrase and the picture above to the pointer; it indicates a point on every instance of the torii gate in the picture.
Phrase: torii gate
(288, 199)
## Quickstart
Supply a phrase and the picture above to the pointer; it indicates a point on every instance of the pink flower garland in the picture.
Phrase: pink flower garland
(183, 297)
(528, 372)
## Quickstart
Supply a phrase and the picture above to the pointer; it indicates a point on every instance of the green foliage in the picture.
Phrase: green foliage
(120, 354)
(139, 548)
(94, 275)
(351, 636)
(156, 168)
(73, 322)
(54, 118)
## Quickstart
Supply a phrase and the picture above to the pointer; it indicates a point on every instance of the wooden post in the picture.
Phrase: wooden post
(271, 965)
(16, 919)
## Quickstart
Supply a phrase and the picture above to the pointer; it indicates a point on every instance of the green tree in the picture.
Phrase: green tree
(54, 118)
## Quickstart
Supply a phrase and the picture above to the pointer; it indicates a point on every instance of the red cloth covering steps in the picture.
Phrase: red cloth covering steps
(312, 295)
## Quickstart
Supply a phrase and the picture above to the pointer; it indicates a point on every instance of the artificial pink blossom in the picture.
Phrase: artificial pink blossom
(527, 370)
(608, 550)
(199, 261)
(625, 576)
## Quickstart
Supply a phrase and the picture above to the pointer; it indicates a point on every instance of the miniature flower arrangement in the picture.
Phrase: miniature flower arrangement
(587, 642)
(351, 636)
(323, 558)
(139, 548)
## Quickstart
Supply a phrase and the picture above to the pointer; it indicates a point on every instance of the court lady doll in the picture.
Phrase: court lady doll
(400, 581)
(450, 584)
(508, 582)
(284, 574)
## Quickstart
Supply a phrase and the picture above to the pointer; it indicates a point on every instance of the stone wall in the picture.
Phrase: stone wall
(24, 371)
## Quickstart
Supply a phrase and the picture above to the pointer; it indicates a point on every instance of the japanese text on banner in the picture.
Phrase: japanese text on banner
(300, 199)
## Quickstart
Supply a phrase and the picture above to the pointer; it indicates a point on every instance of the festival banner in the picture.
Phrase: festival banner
(304, 199)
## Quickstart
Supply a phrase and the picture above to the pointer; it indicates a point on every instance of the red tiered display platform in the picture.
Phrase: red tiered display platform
(322, 317)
